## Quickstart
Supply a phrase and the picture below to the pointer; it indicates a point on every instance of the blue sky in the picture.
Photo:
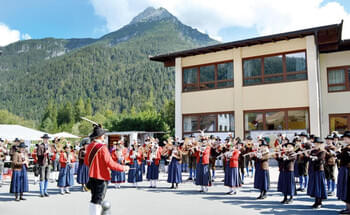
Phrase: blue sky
(233, 20)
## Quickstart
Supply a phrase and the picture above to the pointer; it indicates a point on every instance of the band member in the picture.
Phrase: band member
(3, 152)
(203, 174)
(262, 175)
(317, 186)
(43, 154)
(118, 155)
(83, 170)
(19, 181)
(55, 161)
(248, 160)
(286, 181)
(136, 158)
(66, 176)
(192, 159)
(214, 153)
(232, 178)
(100, 162)
(330, 165)
(241, 160)
(303, 163)
(343, 185)
(153, 160)
(174, 171)
(36, 168)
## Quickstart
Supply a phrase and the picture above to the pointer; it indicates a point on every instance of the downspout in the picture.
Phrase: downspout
(319, 83)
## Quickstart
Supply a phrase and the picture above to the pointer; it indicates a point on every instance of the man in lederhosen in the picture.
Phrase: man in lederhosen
(43, 155)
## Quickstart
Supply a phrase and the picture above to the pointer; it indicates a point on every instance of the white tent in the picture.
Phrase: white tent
(66, 135)
(11, 132)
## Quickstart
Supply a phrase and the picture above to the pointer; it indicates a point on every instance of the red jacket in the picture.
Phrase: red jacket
(205, 155)
(234, 159)
(158, 156)
(102, 163)
(115, 156)
(63, 159)
(34, 156)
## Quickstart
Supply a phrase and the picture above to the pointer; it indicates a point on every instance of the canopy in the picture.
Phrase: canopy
(11, 132)
(66, 135)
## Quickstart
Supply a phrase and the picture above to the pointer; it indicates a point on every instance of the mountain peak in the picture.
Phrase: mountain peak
(152, 14)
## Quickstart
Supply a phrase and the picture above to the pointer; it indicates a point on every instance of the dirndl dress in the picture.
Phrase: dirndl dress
(117, 177)
(152, 171)
(135, 172)
(19, 181)
(286, 183)
(232, 177)
(202, 174)
(66, 176)
(261, 178)
(83, 174)
(343, 187)
(174, 171)
(317, 184)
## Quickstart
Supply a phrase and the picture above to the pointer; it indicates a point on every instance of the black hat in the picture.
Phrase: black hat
(1, 140)
(335, 135)
(303, 134)
(329, 137)
(22, 145)
(317, 140)
(290, 143)
(97, 132)
(346, 134)
(46, 136)
(16, 140)
(263, 142)
(249, 138)
(312, 136)
(296, 139)
(212, 137)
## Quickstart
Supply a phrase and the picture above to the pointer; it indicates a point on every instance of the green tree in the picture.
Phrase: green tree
(79, 110)
(88, 107)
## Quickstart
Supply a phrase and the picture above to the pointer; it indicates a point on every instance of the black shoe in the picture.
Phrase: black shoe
(289, 201)
(21, 198)
(346, 211)
(300, 189)
(230, 192)
(318, 206)
(172, 187)
(259, 197)
(42, 195)
(284, 201)
(46, 194)
(189, 179)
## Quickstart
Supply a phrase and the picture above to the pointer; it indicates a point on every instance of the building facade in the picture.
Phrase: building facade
(289, 82)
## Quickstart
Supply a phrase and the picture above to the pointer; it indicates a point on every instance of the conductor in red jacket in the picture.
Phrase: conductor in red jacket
(100, 164)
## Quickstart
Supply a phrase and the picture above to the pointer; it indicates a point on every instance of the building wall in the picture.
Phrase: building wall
(335, 102)
(239, 98)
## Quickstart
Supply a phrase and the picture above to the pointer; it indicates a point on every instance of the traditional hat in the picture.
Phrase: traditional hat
(263, 142)
(346, 134)
(46, 136)
(16, 140)
(296, 139)
(317, 140)
(312, 136)
(97, 132)
(290, 143)
(22, 145)
(335, 135)
(303, 134)
(249, 138)
(329, 137)
(1, 140)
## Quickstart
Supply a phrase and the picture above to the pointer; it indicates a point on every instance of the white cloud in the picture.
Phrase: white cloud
(8, 35)
(26, 36)
(266, 16)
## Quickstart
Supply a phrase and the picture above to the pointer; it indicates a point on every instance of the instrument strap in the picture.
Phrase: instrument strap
(93, 152)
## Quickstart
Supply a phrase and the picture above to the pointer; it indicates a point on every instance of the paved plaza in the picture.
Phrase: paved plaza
(160, 201)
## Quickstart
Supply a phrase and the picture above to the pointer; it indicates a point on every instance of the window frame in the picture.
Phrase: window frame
(264, 111)
(215, 82)
(284, 73)
(338, 115)
(347, 77)
(199, 115)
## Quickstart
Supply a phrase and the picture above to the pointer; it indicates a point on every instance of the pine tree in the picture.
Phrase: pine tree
(79, 109)
(88, 108)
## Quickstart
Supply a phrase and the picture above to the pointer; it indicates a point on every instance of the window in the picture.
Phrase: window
(276, 68)
(281, 119)
(339, 122)
(211, 122)
(339, 79)
(211, 76)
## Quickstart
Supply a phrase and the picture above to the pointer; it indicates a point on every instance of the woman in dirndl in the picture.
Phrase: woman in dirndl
(262, 174)
(118, 155)
(83, 170)
(343, 185)
(66, 175)
(174, 169)
(136, 158)
(317, 179)
(286, 180)
(232, 177)
(19, 180)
